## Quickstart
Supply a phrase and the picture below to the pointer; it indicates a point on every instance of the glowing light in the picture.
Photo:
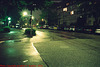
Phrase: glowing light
(25, 61)
(80, 16)
(25, 23)
(37, 24)
(9, 18)
(65, 9)
(24, 13)
(24, 28)
(32, 17)
(11, 32)
(9, 21)
(16, 26)
(72, 12)
(42, 19)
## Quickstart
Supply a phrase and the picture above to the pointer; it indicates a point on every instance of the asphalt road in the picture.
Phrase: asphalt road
(50, 48)
(68, 49)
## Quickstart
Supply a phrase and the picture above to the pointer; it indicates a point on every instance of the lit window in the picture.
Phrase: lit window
(72, 12)
(65, 9)
(67, 4)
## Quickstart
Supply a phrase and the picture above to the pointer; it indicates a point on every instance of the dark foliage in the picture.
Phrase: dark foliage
(6, 29)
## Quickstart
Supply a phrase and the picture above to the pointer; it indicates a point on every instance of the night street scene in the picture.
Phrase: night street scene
(49, 33)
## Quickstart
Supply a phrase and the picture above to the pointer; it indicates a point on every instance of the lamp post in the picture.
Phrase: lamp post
(31, 23)
(9, 20)
(31, 18)
(24, 13)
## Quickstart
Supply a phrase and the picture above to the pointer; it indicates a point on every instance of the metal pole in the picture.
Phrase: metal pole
(31, 23)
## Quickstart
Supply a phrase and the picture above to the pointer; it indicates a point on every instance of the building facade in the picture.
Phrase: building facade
(78, 13)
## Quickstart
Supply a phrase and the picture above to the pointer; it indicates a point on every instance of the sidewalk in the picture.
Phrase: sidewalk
(19, 52)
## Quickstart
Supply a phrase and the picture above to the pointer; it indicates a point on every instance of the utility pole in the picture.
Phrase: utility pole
(31, 19)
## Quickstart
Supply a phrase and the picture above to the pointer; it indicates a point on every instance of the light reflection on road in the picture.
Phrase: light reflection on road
(31, 51)
(11, 32)
(40, 37)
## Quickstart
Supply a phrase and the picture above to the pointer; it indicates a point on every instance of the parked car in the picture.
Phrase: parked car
(72, 28)
(97, 30)
(18, 26)
(67, 28)
(58, 28)
(12, 26)
(55, 27)
(79, 29)
(51, 27)
(45, 26)
(40, 27)
(89, 29)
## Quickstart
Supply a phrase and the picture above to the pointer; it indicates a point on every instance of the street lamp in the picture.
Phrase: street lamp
(31, 18)
(24, 13)
(42, 19)
(37, 24)
(9, 20)
(26, 24)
